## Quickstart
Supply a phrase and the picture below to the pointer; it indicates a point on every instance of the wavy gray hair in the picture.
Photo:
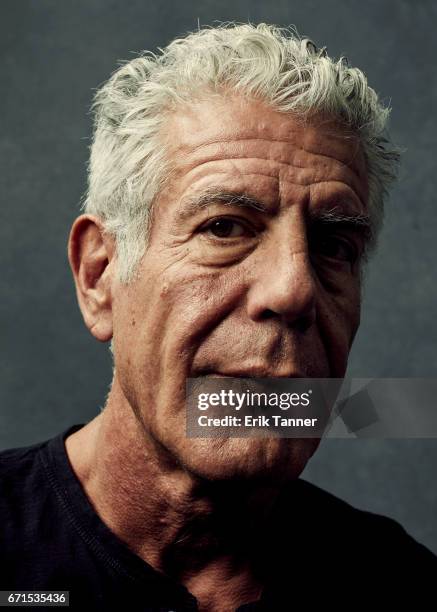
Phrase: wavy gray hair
(128, 164)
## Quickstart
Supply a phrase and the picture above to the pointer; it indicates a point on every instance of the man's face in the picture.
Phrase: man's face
(240, 276)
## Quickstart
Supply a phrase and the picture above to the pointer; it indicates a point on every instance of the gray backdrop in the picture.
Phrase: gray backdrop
(53, 374)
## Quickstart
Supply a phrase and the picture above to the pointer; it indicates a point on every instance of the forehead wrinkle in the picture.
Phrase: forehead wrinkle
(297, 149)
(285, 180)
(297, 156)
(298, 175)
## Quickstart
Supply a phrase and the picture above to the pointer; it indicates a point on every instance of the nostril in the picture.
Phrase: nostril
(301, 323)
(268, 314)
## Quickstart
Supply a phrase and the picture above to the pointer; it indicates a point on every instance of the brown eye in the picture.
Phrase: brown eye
(225, 228)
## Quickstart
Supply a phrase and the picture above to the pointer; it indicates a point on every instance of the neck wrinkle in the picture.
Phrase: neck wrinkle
(177, 523)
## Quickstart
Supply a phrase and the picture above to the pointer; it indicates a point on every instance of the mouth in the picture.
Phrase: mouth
(254, 372)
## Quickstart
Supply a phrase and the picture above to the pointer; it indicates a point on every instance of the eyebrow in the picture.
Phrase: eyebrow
(209, 197)
(334, 216)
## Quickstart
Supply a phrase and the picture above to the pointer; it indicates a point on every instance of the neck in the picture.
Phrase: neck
(198, 532)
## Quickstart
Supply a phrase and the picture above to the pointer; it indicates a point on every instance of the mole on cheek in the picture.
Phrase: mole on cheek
(164, 291)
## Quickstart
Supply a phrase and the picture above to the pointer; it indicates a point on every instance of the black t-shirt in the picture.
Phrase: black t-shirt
(324, 550)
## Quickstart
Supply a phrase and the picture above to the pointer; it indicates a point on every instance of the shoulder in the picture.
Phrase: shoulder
(27, 492)
(322, 542)
(19, 467)
(345, 532)
(23, 489)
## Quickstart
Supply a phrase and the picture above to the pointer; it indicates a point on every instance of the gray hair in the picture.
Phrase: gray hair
(128, 164)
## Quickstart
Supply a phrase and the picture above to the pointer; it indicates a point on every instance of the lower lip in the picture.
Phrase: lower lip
(219, 376)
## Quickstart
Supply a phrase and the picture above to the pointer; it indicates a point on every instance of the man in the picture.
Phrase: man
(236, 186)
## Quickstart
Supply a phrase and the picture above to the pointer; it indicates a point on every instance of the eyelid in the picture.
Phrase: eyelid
(334, 230)
(350, 247)
(241, 220)
(348, 244)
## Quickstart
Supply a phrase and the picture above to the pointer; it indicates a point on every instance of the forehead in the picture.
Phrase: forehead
(236, 136)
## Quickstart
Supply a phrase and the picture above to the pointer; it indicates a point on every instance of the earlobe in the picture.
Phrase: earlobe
(91, 254)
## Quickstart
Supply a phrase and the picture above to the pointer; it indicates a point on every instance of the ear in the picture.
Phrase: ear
(91, 254)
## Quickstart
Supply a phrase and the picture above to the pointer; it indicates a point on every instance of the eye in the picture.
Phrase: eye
(224, 227)
(336, 248)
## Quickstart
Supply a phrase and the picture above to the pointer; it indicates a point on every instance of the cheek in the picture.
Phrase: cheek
(338, 321)
(157, 353)
(159, 325)
(198, 303)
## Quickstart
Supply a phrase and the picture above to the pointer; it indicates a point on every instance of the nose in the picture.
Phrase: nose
(284, 284)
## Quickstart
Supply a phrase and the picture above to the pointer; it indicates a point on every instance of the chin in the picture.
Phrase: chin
(268, 460)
